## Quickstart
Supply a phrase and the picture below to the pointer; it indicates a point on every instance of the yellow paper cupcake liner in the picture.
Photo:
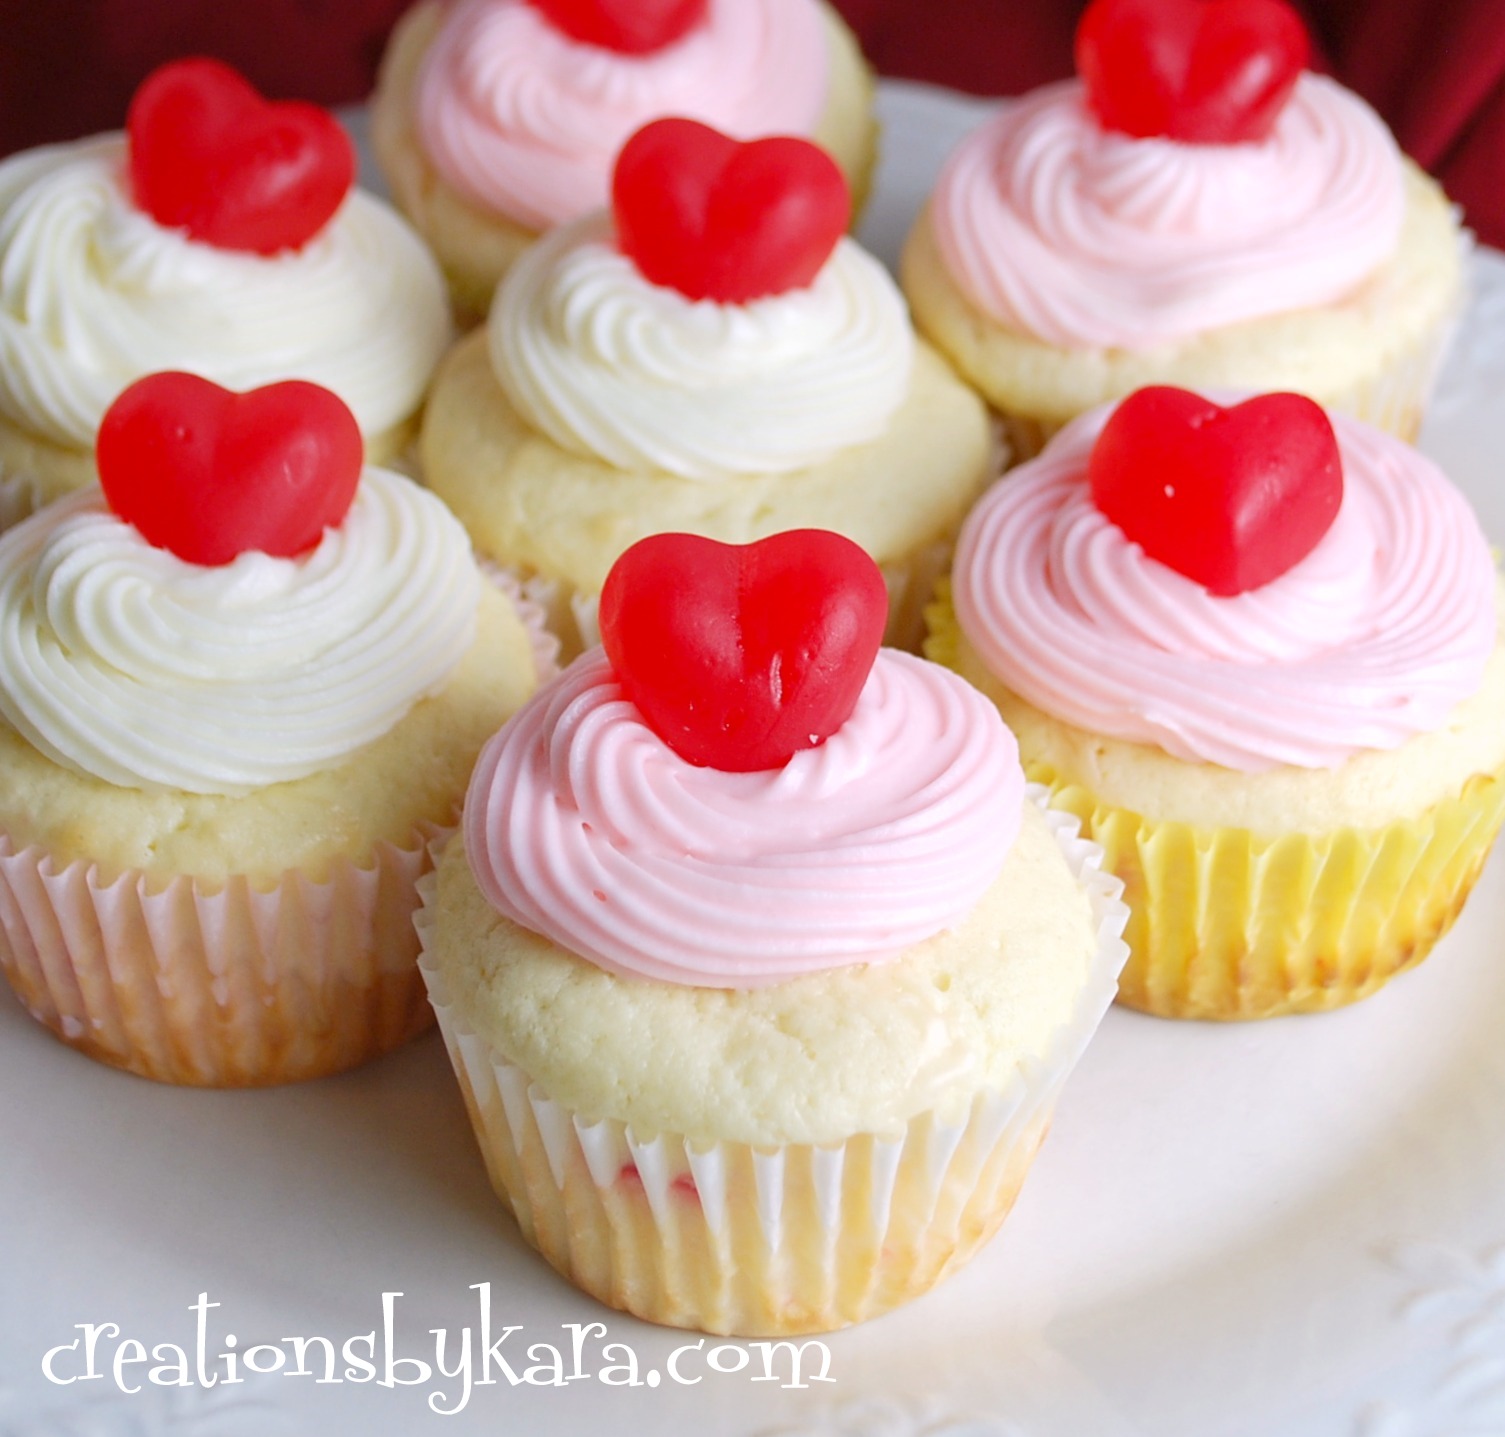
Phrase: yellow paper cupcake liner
(729, 1238)
(1225, 923)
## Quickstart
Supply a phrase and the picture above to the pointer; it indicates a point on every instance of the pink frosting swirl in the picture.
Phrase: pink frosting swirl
(526, 122)
(1375, 636)
(1083, 237)
(583, 826)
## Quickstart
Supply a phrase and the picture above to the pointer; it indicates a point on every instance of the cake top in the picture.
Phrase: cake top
(858, 804)
(1252, 653)
(241, 605)
(1087, 237)
(524, 118)
(716, 322)
(220, 236)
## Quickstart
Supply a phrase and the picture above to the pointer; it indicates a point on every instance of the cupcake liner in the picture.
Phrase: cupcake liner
(532, 611)
(218, 985)
(1225, 923)
(729, 1238)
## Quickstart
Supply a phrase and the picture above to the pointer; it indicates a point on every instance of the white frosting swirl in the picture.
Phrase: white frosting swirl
(1085, 237)
(122, 661)
(526, 122)
(1377, 635)
(94, 293)
(612, 367)
(581, 824)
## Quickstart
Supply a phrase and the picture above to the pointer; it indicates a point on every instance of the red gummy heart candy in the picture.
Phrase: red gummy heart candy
(1209, 72)
(718, 219)
(1229, 497)
(630, 27)
(740, 655)
(210, 156)
(209, 474)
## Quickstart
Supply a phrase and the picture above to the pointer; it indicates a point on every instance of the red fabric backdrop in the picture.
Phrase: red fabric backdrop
(1434, 68)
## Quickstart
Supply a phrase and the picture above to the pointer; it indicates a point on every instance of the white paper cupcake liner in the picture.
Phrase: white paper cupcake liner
(229, 985)
(729, 1238)
(533, 612)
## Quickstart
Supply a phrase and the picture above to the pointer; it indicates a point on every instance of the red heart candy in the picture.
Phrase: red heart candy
(209, 474)
(1209, 72)
(718, 219)
(210, 156)
(1229, 497)
(630, 27)
(740, 655)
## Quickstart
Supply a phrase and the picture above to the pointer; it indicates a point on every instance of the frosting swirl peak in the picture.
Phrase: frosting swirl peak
(615, 368)
(124, 662)
(581, 824)
(94, 294)
(526, 122)
(1087, 238)
(1372, 638)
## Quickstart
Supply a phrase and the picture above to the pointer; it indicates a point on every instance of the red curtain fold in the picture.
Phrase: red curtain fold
(1434, 68)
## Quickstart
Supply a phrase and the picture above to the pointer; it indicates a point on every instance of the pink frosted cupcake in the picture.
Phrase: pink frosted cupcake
(1194, 210)
(239, 693)
(495, 120)
(759, 969)
(1259, 655)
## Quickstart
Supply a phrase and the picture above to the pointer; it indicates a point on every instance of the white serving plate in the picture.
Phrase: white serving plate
(1288, 1229)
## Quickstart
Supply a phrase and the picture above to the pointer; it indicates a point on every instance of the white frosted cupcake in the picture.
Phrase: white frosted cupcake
(1074, 250)
(761, 1050)
(616, 391)
(495, 120)
(221, 774)
(96, 292)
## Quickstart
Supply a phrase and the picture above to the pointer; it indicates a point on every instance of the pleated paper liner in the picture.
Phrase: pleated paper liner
(222, 986)
(1225, 923)
(729, 1238)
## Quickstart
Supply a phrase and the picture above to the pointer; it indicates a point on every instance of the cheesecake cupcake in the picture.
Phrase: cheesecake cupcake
(759, 967)
(1262, 664)
(495, 120)
(696, 361)
(1193, 209)
(220, 235)
(241, 689)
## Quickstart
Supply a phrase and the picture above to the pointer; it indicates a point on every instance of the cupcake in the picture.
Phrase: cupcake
(1257, 653)
(495, 120)
(1194, 209)
(240, 691)
(712, 356)
(759, 969)
(219, 235)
